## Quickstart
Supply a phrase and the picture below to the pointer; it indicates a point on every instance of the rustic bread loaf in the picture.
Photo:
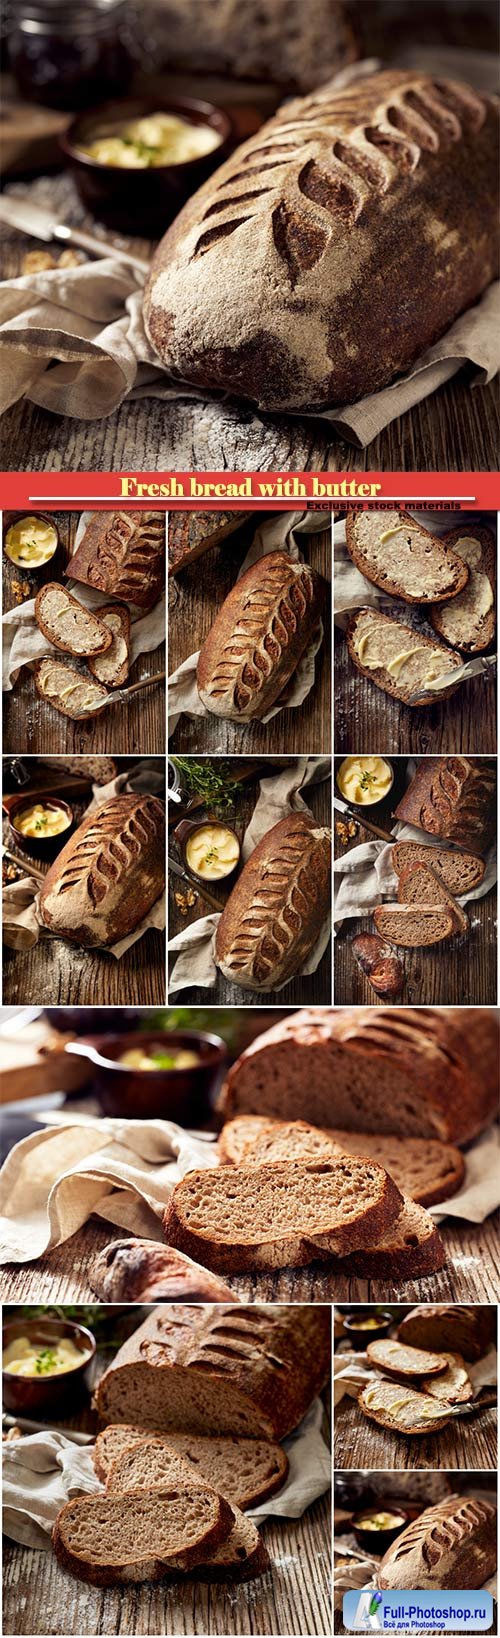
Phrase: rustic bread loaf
(383, 970)
(191, 534)
(399, 1360)
(303, 244)
(402, 1409)
(467, 1330)
(142, 1535)
(459, 872)
(67, 624)
(403, 558)
(468, 622)
(123, 554)
(415, 929)
(67, 689)
(252, 1371)
(101, 769)
(408, 1250)
(281, 1215)
(277, 41)
(454, 797)
(420, 885)
(258, 637)
(414, 1071)
(109, 874)
(397, 658)
(421, 1168)
(245, 1471)
(450, 1545)
(277, 909)
(112, 667)
(455, 1386)
(143, 1271)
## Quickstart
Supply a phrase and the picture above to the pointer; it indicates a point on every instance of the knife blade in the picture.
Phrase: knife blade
(27, 1426)
(41, 224)
(360, 819)
(209, 898)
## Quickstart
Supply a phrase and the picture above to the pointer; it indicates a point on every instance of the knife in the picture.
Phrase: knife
(461, 673)
(42, 224)
(27, 1426)
(367, 824)
(208, 898)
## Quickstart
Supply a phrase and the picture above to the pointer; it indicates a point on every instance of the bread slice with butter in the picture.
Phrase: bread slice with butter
(67, 689)
(469, 620)
(395, 552)
(399, 659)
(401, 1408)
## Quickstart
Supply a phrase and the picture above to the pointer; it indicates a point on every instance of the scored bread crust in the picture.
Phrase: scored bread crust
(111, 613)
(271, 1197)
(123, 554)
(409, 1250)
(423, 1168)
(410, 1400)
(277, 909)
(68, 675)
(234, 1456)
(191, 534)
(150, 1567)
(450, 1544)
(453, 797)
(398, 922)
(109, 874)
(443, 860)
(472, 645)
(98, 643)
(468, 1330)
(381, 677)
(258, 637)
(397, 1360)
(420, 884)
(458, 573)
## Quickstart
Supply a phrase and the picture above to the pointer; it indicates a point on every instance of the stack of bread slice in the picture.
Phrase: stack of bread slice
(434, 1383)
(426, 911)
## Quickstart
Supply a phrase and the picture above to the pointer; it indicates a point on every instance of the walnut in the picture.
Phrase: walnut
(69, 258)
(345, 830)
(37, 261)
(185, 900)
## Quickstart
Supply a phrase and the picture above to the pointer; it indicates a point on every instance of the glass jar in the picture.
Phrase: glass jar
(69, 53)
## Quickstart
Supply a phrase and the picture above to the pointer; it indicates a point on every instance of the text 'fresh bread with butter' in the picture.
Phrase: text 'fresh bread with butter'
(395, 552)
(399, 659)
(414, 1071)
(450, 1545)
(292, 279)
(277, 910)
(109, 874)
(251, 1371)
(422, 1168)
(469, 622)
(258, 637)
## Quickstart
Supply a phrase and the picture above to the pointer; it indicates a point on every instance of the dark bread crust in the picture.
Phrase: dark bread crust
(109, 874)
(123, 553)
(397, 588)
(143, 1271)
(192, 534)
(123, 616)
(303, 242)
(449, 1544)
(441, 860)
(489, 555)
(411, 1249)
(415, 928)
(258, 637)
(453, 797)
(149, 1567)
(102, 632)
(381, 678)
(278, 907)
(466, 1330)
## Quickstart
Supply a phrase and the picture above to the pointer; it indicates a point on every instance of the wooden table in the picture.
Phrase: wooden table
(57, 972)
(361, 1443)
(30, 724)
(293, 1597)
(314, 988)
(195, 597)
(463, 970)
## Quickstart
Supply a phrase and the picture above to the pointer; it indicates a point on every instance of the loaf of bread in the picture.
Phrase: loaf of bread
(276, 911)
(252, 1371)
(468, 622)
(72, 692)
(450, 1545)
(261, 632)
(109, 874)
(191, 534)
(453, 797)
(291, 277)
(424, 1169)
(123, 554)
(403, 558)
(460, 872)
(278, 41)
(379, 965)
(415, 928)
(414, 1071)
(112, 667)
(144, 1271)
(101, 769)
(67, 624)
(468, 1331)
(420, 885)
(397, 658)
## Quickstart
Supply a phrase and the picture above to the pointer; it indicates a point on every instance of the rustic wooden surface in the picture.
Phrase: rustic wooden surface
(30, 724)
(367, 719)
(456, 429)
(58, 972)
(463, 970)
(195, 597)
(293, 1597)
(313, 988)
(361, 1443)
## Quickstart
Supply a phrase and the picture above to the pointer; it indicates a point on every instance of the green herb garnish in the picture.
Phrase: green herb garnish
(46, 1361)
(213, 784)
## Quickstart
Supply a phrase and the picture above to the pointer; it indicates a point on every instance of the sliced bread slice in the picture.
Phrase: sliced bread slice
(67, 689)
(402, 1409)
(396, 553)
(246, 1471)
(414, 928)
(112, 667)
(460, 872)
(398, 1360)
(67, 624)
(468, 622)
(142, 1535)
(280, 1216)
(423, 1168)
(410, 1249)
(455, 1386)
(152, 1463)
(419, 884)
(398, 659)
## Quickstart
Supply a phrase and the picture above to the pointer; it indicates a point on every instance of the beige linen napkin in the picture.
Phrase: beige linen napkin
(73, 340)
(41, 1473)
(276, 533)
(278, 796)
(124, 1170)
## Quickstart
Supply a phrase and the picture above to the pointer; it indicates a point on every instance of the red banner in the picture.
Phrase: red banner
(267, 491)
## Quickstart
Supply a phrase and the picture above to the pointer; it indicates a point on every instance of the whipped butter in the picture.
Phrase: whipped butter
(212, 851)
(465, 612)
(30, 542)
(41, 821)
(22, 1357)
(385, 648)
(156, 139)
(364, 779)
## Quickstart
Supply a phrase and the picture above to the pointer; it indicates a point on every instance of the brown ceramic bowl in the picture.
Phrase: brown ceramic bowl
(181, 1095)
(141, 201)
(360, 1337)
(41, 847)
(377, 1541)
(187, 828)
(27, 1395)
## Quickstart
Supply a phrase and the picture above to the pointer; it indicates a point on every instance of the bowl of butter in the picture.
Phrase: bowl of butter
(30, 540)
(364, 780)
(46, 1363)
